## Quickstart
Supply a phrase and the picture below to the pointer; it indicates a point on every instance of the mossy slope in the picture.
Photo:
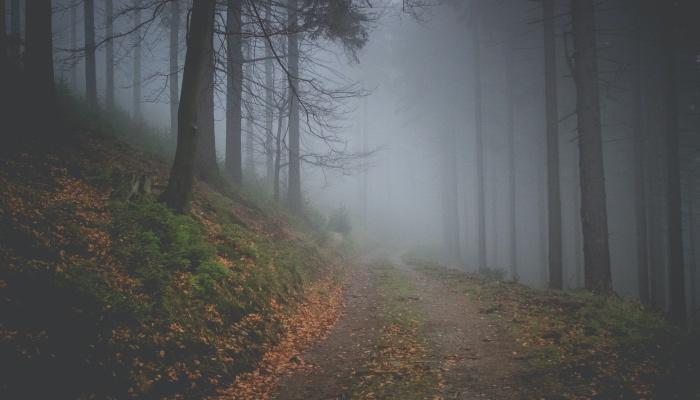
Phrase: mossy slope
(106, 297)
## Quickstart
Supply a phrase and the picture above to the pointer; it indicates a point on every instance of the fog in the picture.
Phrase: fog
(420, 72)
(407, 135)
(349, 199)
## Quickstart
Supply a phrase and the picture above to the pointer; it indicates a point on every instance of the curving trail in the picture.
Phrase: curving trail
(337, 359)
(471, 355)
(476, 355)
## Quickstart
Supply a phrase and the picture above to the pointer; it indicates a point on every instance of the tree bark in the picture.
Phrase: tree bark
(269, 99)
(656, 217)
(15, 17)
(294, 184)
(479, 133)
(234, 91)
(450, 194)
(578, 257)
(38, 64)
(4, 75)
(174, 64)
(543, 215)
(676, 279)
(73, 45)
(556, 268)
(250, 120)
(109, 55)
(90, 69)
(3, 42)
(365, 170)
(594, 219)
(178, 193)
(206, 167)
(640, 202)
(692, 241)
(278, 156)
(510, 127)
(137, 62)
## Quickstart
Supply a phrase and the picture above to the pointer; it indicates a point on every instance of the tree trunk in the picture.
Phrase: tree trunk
(543, 216)
(510, 127)
(38, 64)
(692, 242)
(90, 69)
(137, 62)
(178, 193)
(676, 280)
(556, 268)
(656, 217)
(596, 251)
(3, 43)
(479, 132)
(294, 183)
(450, 194)
(365, 169)
(269, 99)
(234, 90)
(640, 202)
(15, 17)
(578, 257)
(73, 45)
(109, 57)
(174, 64)
(206, 166)
(4, 75)
(278, 156)
(250, 120)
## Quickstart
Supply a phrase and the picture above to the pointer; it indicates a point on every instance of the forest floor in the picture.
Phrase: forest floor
(412, 330)
(406, 335)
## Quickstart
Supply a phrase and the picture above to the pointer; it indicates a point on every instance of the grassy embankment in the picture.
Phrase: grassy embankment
(104, 296)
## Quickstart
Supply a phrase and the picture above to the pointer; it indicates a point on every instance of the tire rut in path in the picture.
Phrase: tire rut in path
(338, 356)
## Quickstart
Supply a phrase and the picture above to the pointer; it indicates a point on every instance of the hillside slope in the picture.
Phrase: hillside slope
(107, 294)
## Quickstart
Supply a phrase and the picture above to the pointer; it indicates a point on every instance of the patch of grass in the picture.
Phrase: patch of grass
(398, 367)
(424, 255)
(581, 345)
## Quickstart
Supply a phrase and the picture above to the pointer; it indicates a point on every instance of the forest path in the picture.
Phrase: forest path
(338, 357)
(475, 353)
(406, 335)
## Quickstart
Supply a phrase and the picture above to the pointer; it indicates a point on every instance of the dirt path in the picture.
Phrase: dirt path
(474, 356)
(339, 357)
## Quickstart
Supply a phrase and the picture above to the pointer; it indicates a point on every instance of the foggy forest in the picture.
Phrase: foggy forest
(349, 199)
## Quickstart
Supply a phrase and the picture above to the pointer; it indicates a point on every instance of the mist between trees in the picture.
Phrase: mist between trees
(554, 140)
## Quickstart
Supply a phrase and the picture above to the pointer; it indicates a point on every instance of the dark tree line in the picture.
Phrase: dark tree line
(276, 26)
(283, 102)
(591, 92)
